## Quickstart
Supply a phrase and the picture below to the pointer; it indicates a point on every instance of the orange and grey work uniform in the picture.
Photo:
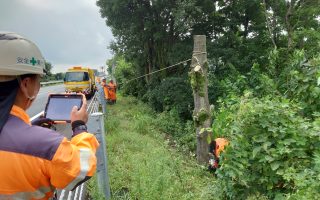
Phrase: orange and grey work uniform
(105, 90)
(36, 160)
(221, 143)
(112, 95)
(215, 148)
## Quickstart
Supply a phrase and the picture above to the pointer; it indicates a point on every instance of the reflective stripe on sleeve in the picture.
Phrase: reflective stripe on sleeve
(38, 194)
(85, 155)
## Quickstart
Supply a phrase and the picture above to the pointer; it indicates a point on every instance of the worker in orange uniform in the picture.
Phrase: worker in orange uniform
(112, 92)
(36, 160)
(215, 148)
(105, 88)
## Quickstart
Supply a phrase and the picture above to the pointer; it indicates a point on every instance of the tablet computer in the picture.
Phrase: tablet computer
(59, 106)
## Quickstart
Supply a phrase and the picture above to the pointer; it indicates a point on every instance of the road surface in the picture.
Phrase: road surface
(40, 102)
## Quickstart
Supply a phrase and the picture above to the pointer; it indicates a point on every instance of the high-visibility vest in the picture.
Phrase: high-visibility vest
(36, 160)
(105, 90)
(112, 91)
(221, 143)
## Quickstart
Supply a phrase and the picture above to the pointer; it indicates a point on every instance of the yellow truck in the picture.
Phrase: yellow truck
(80, 79)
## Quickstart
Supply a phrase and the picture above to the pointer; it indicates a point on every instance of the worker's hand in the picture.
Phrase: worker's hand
(80, 114)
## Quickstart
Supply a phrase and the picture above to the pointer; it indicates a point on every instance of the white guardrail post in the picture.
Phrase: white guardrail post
(50, 82)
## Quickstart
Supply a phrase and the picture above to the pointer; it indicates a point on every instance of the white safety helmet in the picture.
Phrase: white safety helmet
(103, 78)
(19, 56)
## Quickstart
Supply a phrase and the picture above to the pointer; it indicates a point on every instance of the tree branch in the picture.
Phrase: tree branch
(268, 24)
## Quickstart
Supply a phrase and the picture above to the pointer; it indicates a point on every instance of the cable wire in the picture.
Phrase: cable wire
(158, 70)
(182, 62)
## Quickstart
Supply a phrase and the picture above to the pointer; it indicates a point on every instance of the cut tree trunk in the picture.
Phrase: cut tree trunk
(199, 83)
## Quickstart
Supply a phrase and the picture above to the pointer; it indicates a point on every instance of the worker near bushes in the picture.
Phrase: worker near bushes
(112, 92)
(215, 148)
(36, 160)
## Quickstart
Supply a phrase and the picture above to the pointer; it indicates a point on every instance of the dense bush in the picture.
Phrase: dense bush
(225, 81)
(301, 82)
(270, 145)
(172, 93)
(124, 73)
(308, 181)
(229, 82)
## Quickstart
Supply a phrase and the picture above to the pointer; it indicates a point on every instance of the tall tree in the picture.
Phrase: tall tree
(48, 67)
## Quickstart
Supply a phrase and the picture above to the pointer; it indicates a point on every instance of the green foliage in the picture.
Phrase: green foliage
(269, 145)
(49, 76)
(200, 117)
(123, 73)
(197, 80)
(256, 49)
(113, 125)
(302, 82)
(142, 123)
(308, 181)
(172, 93)
(142, 165)
(261, 83)
(182, 133)
(59, 76)
(227, 82)
(48, 68)
(93, 190)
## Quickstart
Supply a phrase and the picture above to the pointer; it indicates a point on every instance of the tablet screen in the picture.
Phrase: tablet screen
(59, 107)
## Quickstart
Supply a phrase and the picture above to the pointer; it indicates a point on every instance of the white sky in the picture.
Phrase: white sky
(68, 32)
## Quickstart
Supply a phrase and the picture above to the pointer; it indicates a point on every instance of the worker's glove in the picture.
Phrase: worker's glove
(43, 122)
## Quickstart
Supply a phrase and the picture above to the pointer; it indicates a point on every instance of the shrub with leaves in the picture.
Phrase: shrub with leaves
(301, 82)
(224, 82)
(308, 181)
(172, 93)
(269, 145)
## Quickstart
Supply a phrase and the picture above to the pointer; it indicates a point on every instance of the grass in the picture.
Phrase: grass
(141, 163)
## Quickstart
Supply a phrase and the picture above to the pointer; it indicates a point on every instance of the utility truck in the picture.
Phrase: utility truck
(80, 79)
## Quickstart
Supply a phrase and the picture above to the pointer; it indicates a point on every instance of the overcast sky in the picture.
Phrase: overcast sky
(68, 32)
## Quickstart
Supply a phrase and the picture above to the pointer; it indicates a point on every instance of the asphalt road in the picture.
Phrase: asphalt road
(40, 102)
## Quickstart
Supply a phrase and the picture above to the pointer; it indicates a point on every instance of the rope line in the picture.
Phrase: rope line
(158, 70)
(182, 62)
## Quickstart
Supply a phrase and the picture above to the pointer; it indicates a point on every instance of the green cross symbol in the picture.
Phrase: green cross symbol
(33, 61)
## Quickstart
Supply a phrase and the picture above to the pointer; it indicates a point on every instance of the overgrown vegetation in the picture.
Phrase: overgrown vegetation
(142, 164)
(271, 142)
(264, 84)
(274, 136)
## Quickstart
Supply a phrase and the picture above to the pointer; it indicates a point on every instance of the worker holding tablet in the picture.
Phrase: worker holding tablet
(36, 160)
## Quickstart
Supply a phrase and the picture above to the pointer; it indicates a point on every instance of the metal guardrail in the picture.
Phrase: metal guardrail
(96, 126)
(50, 82)
(37, 116)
